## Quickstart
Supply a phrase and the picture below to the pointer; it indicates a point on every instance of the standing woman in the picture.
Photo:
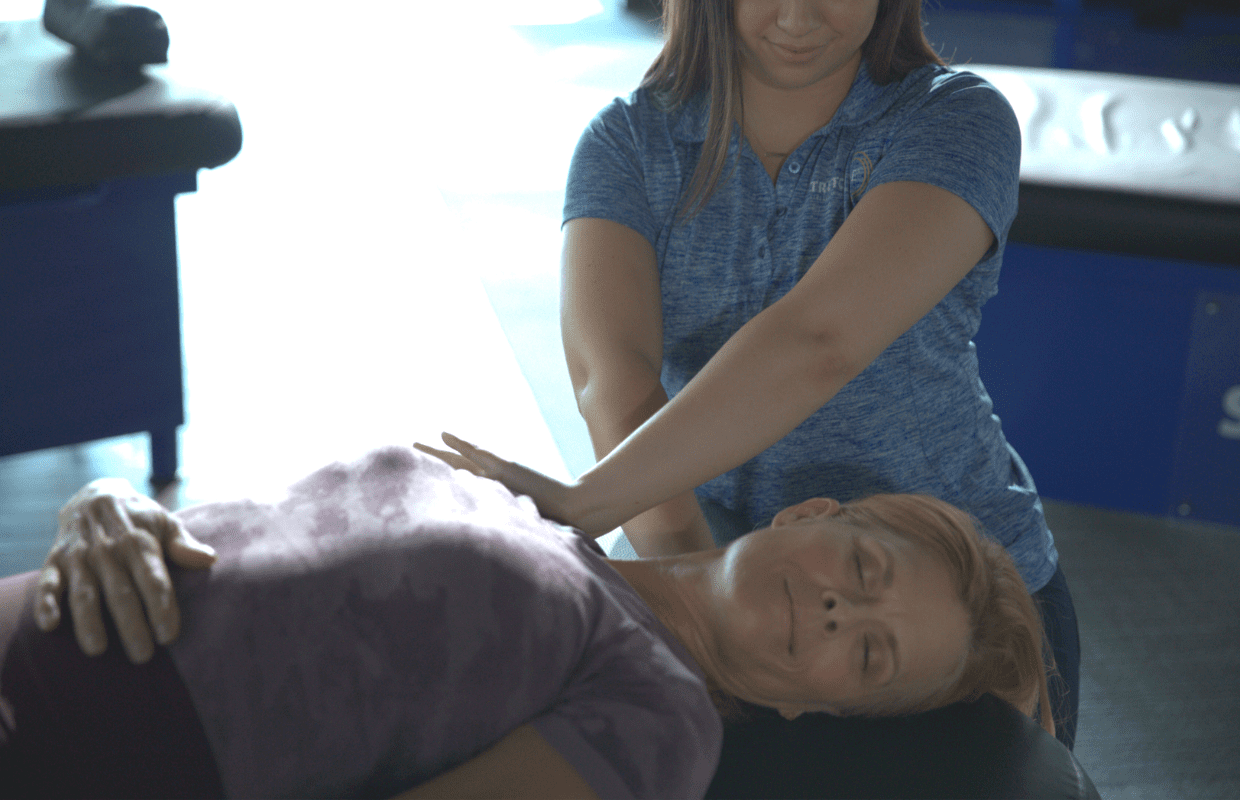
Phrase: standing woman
(775, 256)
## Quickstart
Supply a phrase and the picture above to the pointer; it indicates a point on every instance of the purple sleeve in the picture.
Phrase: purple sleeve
(638, 724)
(390, 618)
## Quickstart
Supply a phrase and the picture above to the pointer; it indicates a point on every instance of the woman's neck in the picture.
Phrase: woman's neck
(777, 120)
(676, 588)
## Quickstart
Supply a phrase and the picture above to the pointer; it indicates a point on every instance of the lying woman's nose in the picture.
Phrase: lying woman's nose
(838, 610)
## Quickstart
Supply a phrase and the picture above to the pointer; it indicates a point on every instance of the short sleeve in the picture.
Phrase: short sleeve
(637, 723)
(606, 179)
(963, 137)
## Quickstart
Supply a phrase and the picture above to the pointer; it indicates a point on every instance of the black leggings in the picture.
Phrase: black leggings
(1054, 600)
(76, 726)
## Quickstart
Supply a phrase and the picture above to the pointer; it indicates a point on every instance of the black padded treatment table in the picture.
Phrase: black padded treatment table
(91, 159)
(966, 751)
(1112, 351)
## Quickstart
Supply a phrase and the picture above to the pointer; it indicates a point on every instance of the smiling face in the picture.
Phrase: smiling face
(816, 614)
(793, 44)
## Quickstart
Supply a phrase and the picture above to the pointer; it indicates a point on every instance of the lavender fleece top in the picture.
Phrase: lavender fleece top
(390, 618)
(918, 419)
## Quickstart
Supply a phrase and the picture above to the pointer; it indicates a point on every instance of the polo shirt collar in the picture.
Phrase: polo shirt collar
(865, 101)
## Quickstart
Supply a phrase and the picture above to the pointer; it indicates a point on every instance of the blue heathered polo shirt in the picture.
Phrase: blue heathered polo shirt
(918, 418)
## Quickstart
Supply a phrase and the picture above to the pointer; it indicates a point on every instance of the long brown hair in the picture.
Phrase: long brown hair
(700, 53)
(1008, 643)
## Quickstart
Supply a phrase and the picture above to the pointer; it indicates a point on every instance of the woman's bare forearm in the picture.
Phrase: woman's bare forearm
(521, 765)
(675, 526)
(762, 384)
(670, 528)
(612, 326)
(871, 283)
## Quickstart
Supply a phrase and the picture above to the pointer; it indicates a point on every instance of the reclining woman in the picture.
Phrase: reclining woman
(394, 625)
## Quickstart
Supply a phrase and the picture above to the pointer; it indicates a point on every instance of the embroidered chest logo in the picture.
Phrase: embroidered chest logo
(823, 187)
(862, 167)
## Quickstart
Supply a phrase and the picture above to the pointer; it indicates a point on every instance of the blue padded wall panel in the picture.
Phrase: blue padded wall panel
(1086, 357)
(89, 313)
(1205, 481)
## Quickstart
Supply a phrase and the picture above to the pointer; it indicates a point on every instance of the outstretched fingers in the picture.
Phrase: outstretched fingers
(548, 494)
(111, 555)
(454, 460)
(144, 562)
(487, 461)
(47, 597)
(84, 603)
(184, 550)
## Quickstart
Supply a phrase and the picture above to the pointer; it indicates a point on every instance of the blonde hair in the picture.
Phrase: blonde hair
(1007, 644)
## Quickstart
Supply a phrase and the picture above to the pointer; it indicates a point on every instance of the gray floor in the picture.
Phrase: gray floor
(1158, 599)
(1159, 610)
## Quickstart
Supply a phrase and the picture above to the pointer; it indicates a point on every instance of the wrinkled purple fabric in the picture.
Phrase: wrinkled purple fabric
(390, 618)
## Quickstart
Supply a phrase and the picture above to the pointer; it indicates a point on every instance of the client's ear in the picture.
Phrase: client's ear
(813, 507)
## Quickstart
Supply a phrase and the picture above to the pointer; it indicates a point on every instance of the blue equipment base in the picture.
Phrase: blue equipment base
(90, 316)
(1117, 378)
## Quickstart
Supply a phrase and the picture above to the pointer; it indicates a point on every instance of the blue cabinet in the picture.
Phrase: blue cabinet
(90, 316)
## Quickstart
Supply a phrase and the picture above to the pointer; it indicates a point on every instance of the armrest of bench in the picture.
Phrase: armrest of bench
(1123, 164)
(65, 121)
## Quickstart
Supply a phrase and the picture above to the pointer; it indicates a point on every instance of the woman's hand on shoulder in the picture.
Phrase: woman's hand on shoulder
(555, 499)
(112, 537)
